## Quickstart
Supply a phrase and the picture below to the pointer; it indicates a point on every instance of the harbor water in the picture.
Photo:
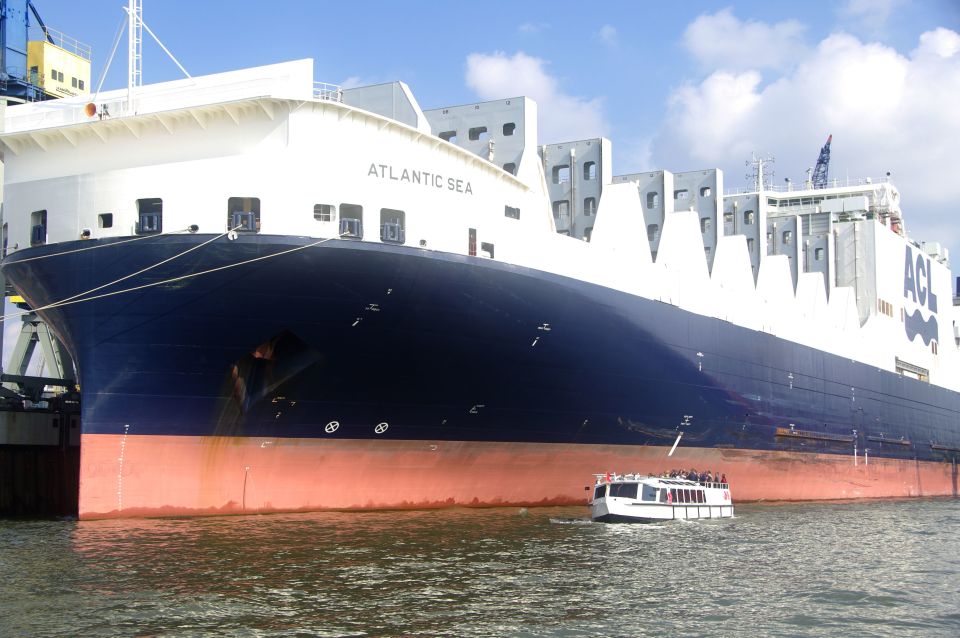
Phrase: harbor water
(817, 569)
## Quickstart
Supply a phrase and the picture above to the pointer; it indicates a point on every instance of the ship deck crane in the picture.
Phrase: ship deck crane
(823, 166)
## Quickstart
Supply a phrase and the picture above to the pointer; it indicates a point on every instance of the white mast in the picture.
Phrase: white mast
(135, 50)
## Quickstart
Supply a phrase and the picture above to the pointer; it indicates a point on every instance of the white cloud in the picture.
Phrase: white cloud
(563, 117)
(886, 111)
(608, 35)
(871, 15)
(533, 28)
(721, 41)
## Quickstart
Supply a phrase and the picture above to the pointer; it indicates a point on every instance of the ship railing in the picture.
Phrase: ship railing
(846, 182)
(326, 91)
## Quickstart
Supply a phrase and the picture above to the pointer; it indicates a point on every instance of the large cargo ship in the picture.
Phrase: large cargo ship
(288, 296)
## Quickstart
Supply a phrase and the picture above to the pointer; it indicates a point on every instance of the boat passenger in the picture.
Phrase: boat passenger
(723, 479)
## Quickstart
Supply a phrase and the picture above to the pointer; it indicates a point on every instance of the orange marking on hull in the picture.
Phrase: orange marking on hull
(171, 475)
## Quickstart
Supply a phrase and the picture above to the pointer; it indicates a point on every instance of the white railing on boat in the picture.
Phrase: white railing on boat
(847, 182)
(325, 91)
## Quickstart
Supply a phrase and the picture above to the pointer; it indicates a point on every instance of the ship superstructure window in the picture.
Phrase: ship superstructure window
(748, 217)
(681, 194)
(105, 220)
(589, 170)
(351, 221)
(818, 254)
(509, 128)
(149, 215)
(653, 231)
(706, 191)
(486, 249)
(324, 212)
(728, 218)
(243, 214)
(449, 136)
(478, 133)
(512, 212)
(706, 224)
(510, 167)
(392, 226)
(561, 209)
(590, 206)
(788, 236)
(561, 174)
(653, 199)
(706, 251)
(38, 227)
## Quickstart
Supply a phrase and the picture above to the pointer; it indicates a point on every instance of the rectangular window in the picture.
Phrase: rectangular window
(478, 133)
(653, 199)
(149, 216)
(561, 174)
(705, 224)
(706, 191)
(486, 249)
(73, 82)
(818, 254)
(392, 226)
(449, 136)
(472, 242)
(788, 237)
(653, 231)
(561, 209)
(105, 220)
(624, 490)
(59, 76)
(748, 217)
(587, 233)
(80, 82)
(600, 491)
(243, 214)
(53, 74)
(38, 227)
(324, 212)
(589, 170)
(511, 212)
(681, 194)
(351, 221)
(509, 128)
(590, 206)
(728, 218)
(510, 167)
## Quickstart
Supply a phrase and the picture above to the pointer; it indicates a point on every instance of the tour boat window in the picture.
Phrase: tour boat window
(683, 193)
(649, 493)
(472, 242)
(653, 199)
(392, 226)
(449, 136)
(663, 495)
(509, 128)
(510, 167)
(674, 495)
(561, 174)
(600, 491)
(486, 249)
(705, 224)
(324, 212)
(479, 133)
(624, 490)
(149, 215)
(590, 206)
(511, 212)
(243, 214)
(653, 231)
(748, 217)
(105, 220)
(589, 170)
(38, 227)
(706, 191)
(351, 221)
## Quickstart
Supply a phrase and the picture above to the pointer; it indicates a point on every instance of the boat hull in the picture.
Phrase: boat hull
(360, 375)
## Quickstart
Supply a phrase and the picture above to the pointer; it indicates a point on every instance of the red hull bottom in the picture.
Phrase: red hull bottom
(131, 476)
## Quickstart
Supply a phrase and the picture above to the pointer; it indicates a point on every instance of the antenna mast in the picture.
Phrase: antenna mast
(135, 50)
(762, 173)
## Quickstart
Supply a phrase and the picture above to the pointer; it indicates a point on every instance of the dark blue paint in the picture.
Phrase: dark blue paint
(441, 347)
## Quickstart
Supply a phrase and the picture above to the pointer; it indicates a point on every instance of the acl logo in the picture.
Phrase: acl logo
(917, 280)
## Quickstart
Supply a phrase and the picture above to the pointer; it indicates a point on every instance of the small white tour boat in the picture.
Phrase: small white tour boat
(634, 498)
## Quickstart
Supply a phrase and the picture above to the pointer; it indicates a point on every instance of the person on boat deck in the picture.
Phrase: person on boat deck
(708, 477)
(693, 476)
(723, 479)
